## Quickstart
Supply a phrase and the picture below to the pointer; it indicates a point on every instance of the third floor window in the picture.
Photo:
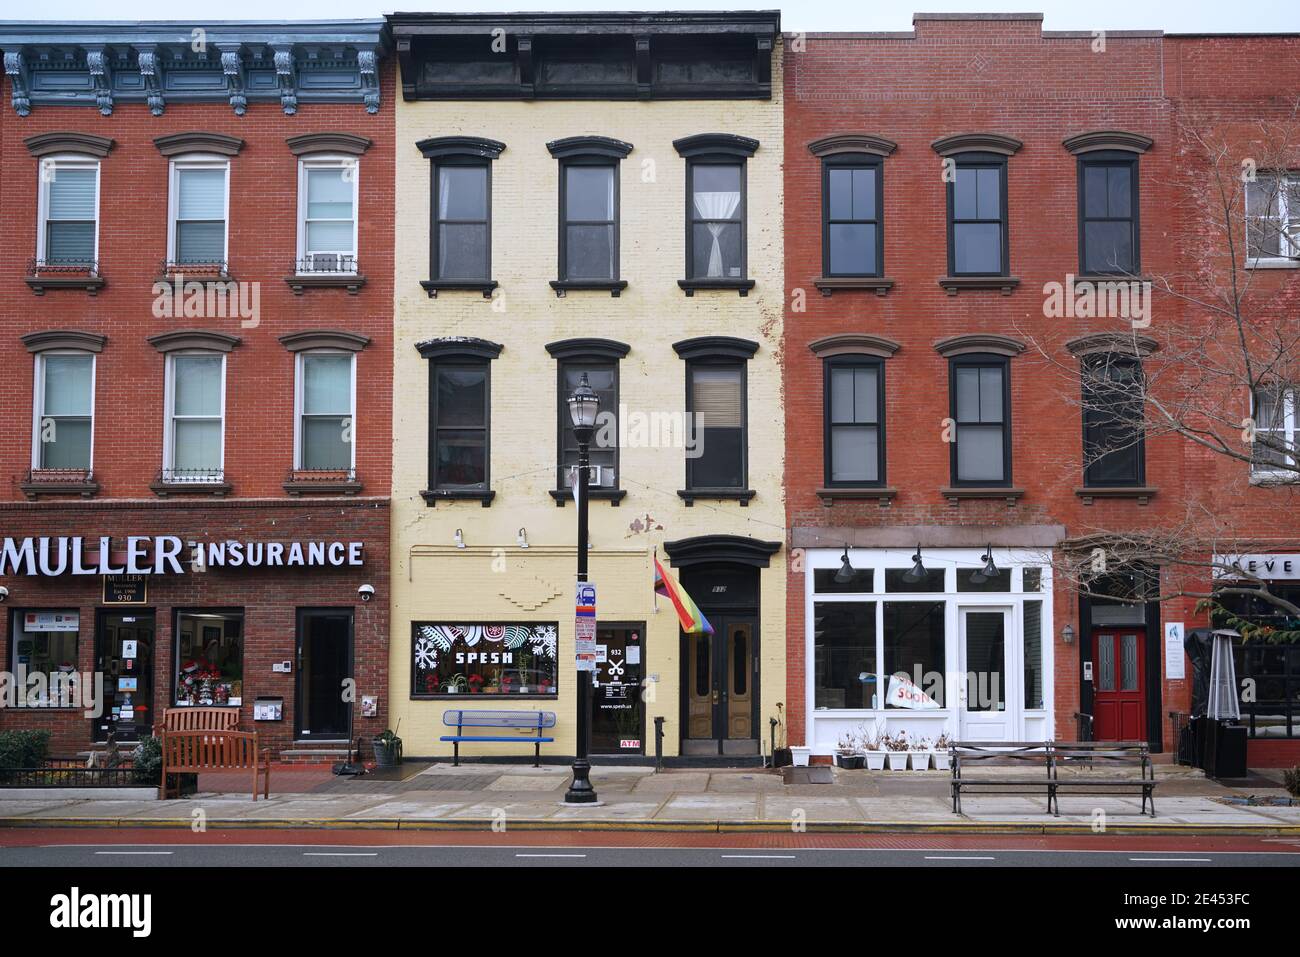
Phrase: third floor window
(199, 212)
(69, 217)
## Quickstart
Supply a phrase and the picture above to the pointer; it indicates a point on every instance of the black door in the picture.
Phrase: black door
(617, 706)
(124, 656)
(324, 691)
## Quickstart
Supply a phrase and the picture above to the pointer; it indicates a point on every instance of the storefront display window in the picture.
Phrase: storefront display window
(1033, 631)
(844, 655)
(914, 640)
(45, 643)
(209, 658)
(897, 580)
(518, 658)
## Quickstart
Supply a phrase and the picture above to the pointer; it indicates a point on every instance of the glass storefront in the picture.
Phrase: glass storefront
(617, 703)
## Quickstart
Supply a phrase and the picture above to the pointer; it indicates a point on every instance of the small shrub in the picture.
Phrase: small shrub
(146, 761)
(22, 749)
(1291, 781)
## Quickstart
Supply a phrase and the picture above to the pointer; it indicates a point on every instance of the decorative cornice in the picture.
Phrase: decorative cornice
(442, 147)
(988, 342)
(976, 143)
(1112, 343)
(602, 146)
(324, 339)
(732, 549)
(852, 143)
(854, 344)
(1095, 140)
(715, 347)
(348, 143)
(718, 144)
(64, 339)
(197, 141)
(458, 347)
(43, 144)
(193, 339)
(588, 348)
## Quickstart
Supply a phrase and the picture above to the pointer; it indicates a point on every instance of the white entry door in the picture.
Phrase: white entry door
(987, 684)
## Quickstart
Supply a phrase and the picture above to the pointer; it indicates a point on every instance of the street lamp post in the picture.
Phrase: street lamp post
(584, 403)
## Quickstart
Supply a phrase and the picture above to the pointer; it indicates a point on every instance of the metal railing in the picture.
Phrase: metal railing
(214, 269)
(327, 264)
(60, 267)
(69, 773)
(191, 476)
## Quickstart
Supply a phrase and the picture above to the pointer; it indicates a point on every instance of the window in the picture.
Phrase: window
(844, 655)
(460, 447)
(327, 211)
(68, 228)
(194, 442)
(588, 221)
(1276, 431)
(716, 401)
(1033, 663)
(1273, 216)
(45, 643)
(462, 222)
(325, 401)
(515, 658)
(209, 658)
(981, 400)
(852, 198)
(914, 644)
(977, 216)
(854, 433)
(716, 238)
(1108, 213)
(199, 209)
(603, 452)
(1113, 407)
(65, 410)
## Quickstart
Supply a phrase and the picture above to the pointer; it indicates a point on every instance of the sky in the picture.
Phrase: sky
(1182, 16)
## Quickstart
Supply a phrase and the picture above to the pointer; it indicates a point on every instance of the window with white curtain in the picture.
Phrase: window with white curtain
(717, 228)
(194, 443)
(69, 212)
(199, 208)
(65, 410)
(327, 215)
(326, 421)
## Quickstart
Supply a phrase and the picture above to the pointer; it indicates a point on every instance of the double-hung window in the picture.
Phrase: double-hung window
(977, 215)
(1113, 434)
(716, 211)
(981, 410)
(1274, 450)
(65, 411)
(194, 438)
(327, 211)
(589, 212)
(717, 427)
(854, 421)
(852, 197)
(326, 400)
(1273, 217)
(597, 359)
(460, 403)
(1108, 214)
(460, 212)
(199, 212)
(68, 227)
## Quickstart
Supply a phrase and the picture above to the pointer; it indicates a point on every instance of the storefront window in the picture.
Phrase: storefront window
(974, 579)
(914, 641)
(896, 580)
(826, 581)
(45, 643)
(1033, 579)
(844, 652)
(495, 659)
(209, 658)
(1033, 629)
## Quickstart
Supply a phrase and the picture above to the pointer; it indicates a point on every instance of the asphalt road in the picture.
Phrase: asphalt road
(389, 855)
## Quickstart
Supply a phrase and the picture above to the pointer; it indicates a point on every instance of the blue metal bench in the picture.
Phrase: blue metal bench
(534, 721)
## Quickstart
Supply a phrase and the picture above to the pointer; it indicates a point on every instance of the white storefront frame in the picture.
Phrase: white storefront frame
(825, 726)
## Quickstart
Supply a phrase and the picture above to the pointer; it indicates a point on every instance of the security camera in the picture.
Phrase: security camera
(4, 593)
(366, 592)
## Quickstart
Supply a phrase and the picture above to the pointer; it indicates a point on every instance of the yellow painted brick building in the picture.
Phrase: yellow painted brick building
(486, 568)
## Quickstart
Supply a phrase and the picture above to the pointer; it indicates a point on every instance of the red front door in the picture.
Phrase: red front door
(1119, 703)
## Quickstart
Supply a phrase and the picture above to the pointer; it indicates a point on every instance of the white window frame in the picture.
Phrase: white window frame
(186, 162)
(1290, 430)
(51, 165)
(38, 403)
(299, 383)
(1282, 178)
(169, 421)
(328, 161)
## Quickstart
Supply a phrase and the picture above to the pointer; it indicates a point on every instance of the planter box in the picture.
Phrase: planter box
(898, 760)
(875, 760)
(920, 760)
(850, 762)
(942, 760)
(800, 756)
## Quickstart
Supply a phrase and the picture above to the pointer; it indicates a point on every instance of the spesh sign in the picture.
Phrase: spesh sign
(51, 556)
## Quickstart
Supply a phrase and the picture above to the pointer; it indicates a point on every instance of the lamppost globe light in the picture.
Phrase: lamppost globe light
(584, 404)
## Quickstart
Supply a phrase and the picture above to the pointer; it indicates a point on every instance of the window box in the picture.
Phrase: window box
(186, 482)
(1142, 493)
(42, 276)
(59, 482)
(303, 279)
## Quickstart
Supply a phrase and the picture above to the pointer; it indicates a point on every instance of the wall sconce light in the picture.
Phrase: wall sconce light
(522, 538)
(460, 538)
(1067, 633)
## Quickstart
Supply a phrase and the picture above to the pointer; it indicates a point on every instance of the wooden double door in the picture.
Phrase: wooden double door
(720, 685)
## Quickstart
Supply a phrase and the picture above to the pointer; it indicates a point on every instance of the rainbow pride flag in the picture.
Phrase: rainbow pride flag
(688, 613)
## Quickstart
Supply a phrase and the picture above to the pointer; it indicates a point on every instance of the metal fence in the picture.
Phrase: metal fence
(68, 773)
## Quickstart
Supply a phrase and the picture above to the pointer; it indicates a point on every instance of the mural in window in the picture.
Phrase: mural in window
(496, 659)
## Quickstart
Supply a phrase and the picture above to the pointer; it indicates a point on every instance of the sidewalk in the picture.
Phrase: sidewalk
(476, 796)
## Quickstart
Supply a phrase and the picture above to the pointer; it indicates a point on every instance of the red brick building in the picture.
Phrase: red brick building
(942, 186)
(195, 332)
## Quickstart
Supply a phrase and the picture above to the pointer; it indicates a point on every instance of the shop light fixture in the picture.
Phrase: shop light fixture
(847, 572)
(989, 570)
(1067, 633)
(917, 572)
(460, 538)
(522, 538)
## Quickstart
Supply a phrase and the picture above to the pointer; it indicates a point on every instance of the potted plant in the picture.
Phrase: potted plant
(942, 754)
(388, 748)
(873, 750)
(475, 683)
(896, 750)
(846, 753)
(1291, 781)
(456, 684)
(920, 754)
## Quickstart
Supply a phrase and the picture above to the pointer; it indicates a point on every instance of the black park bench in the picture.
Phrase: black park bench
(520, 721)
(1001, 754)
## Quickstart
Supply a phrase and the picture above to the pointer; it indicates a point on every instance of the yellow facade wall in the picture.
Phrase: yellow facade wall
(492, 578)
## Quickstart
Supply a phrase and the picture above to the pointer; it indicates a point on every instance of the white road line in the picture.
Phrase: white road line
(550, 855)
(138, 853)
(1173, 860)
(340, 854)
(758, 857)
(935, 857)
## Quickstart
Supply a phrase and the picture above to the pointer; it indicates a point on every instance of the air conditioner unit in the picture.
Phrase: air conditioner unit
(598, 476)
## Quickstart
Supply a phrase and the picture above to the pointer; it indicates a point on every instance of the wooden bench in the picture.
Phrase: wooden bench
(1133, 754)
(196, 752)
(197, 719)
(1034, 754)
(522, 721)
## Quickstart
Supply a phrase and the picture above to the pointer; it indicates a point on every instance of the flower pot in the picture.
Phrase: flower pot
(920, 760)
(941, 760)
(875, 760)
(850, 762)
(800, 756)
(898, 760)
(387, 755)
(781, 758)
